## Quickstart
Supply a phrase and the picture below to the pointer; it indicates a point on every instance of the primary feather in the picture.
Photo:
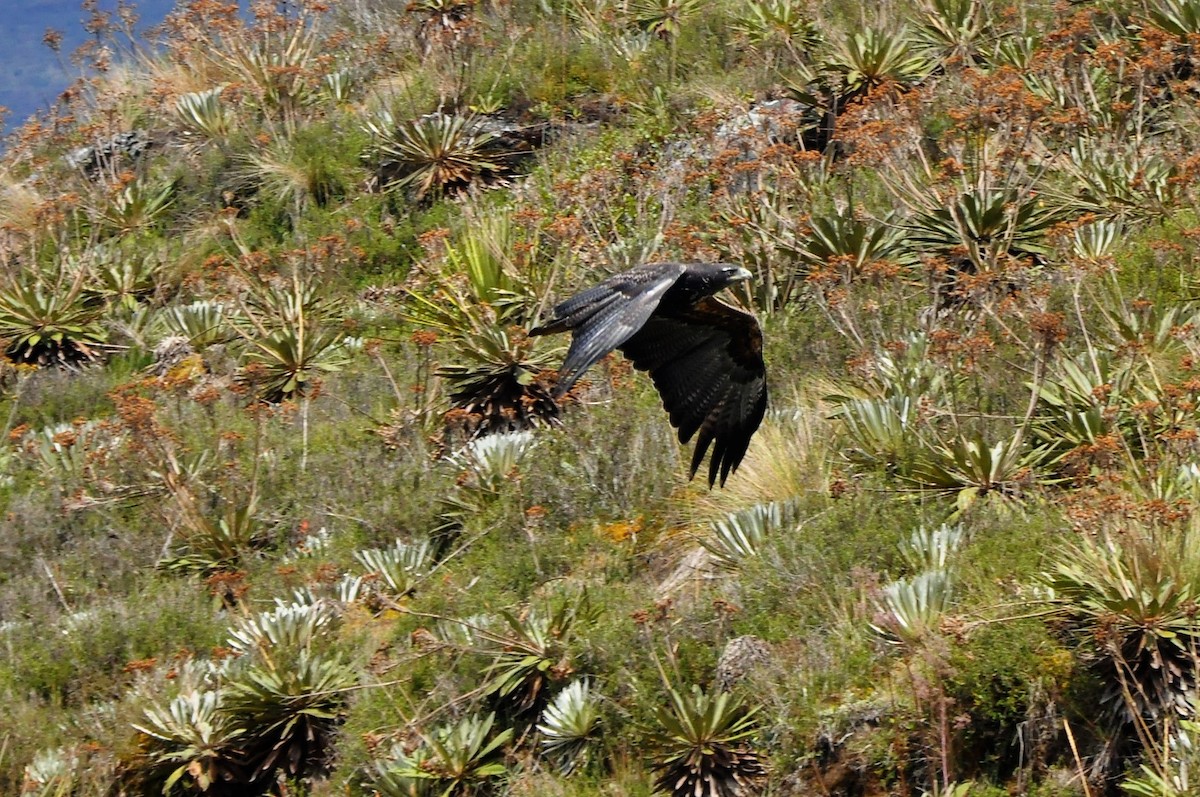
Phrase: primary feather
(704, 357)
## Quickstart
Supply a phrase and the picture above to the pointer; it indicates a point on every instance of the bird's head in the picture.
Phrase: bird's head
(734, 274)
(706, 279)
(737, 274)
(719, 275)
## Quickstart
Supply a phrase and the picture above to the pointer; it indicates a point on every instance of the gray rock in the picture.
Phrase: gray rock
(170, 352)
(740, 657)
(130, 145)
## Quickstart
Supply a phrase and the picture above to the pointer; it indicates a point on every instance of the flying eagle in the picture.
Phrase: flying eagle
(704, 356)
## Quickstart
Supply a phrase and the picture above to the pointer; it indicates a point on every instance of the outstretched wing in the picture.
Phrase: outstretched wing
(606, 316)
(706, 362)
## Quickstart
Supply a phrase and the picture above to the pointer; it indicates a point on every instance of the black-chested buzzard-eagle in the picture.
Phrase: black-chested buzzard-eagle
(704, 357)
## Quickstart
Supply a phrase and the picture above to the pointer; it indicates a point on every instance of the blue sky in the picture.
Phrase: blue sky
(32, 75)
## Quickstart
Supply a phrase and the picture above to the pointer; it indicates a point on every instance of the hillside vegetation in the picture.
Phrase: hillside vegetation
(289, 507)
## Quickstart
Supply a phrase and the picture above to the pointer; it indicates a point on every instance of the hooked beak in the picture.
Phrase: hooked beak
(739, 275)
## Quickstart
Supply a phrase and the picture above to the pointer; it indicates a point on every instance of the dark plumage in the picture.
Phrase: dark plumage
(704, 356)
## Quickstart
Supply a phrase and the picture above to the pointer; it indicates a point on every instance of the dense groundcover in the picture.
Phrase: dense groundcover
(290, 507)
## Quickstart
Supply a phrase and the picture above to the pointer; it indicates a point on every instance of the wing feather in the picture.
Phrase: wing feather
(606, 316)
(706, 362)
